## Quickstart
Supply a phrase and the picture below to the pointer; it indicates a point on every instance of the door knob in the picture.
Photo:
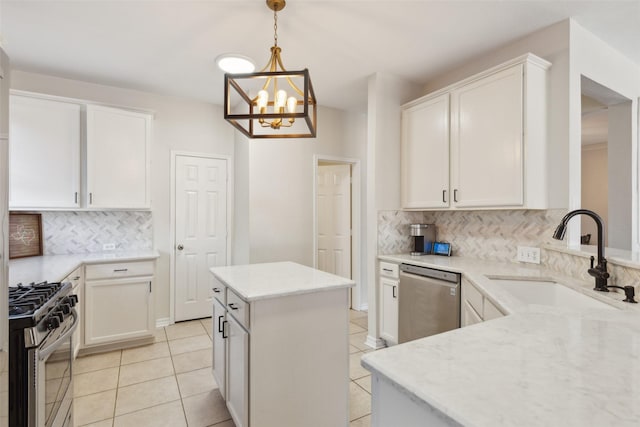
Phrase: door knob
(180, 247)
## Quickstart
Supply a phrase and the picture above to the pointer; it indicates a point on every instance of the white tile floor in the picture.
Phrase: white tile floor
(169, 383)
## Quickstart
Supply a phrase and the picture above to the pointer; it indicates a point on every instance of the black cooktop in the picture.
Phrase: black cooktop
(25, 300)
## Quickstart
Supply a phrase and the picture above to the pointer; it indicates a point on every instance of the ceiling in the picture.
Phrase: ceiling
(169, 47)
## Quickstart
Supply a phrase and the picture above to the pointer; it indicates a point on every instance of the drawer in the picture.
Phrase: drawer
(473, 296)
(389, 269)
(75, 277)
(219, 291)
(238, 308)
(119, 269)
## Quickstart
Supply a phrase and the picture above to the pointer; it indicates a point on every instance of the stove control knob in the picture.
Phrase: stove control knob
(66, 308)
(53, 323)
(72, 300)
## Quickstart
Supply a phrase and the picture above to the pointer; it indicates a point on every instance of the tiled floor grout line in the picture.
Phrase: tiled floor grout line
(358, 329)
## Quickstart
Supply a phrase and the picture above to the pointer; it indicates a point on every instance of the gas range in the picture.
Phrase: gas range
(42, 319)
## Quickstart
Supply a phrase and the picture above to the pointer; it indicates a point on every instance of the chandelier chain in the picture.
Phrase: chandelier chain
(275, 28)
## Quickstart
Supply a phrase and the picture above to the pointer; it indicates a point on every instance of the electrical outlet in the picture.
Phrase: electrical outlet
(108, 246)
(529, 254)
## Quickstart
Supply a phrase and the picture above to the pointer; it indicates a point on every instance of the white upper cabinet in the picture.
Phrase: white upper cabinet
(425, 154)
(44, 153)
(487, 149)
(118, 146)
(487, 141)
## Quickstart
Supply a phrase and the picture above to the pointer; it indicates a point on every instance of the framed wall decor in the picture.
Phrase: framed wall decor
(25, 235)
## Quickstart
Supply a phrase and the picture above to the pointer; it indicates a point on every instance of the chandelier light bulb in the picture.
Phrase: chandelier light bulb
(281, 101)
(262, 101)
(291, 104)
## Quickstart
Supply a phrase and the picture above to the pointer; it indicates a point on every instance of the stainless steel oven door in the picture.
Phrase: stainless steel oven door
(53, 364)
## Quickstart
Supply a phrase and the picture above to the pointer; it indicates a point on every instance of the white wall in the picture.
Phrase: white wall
(386, 96)
(179, 124)
(592, 58)
(552, 44)
(595, 188)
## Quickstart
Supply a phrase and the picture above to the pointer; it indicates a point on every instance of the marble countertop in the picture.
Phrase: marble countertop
(57, 267)
(537, 366)
(269, 280)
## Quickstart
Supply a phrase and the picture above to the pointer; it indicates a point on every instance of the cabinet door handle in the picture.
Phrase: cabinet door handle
(76, 278)
(75, 197)
(219, 324)
(455, 195)
(444, 195)
(232, 306)
(90, 198)
(216, 290)
(224, 329)
(120, 270)
(149, 287)
(394, 292)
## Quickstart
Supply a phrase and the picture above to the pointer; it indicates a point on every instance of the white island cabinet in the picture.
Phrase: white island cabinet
(281, 348)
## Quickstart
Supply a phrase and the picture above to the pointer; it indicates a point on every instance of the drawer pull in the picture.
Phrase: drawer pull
(223, 329)
(216, 290)
(76, 278)
(388, 270)
(219, 324)
(120, 270)
(232, 306)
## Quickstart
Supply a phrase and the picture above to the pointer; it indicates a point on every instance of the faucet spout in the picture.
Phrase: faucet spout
(599, 272)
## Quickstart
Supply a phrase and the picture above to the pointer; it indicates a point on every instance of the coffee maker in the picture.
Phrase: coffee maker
(423, 237)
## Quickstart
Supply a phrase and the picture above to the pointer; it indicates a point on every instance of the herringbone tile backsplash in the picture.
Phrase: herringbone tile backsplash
(494, 235)
(479, 234)
(84, 232)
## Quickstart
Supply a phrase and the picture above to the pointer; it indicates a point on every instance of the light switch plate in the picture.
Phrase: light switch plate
(529, 254)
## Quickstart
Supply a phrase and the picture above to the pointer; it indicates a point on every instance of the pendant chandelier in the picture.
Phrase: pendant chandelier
(274, 102)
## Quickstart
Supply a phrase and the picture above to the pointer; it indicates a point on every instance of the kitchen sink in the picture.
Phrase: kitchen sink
(546, 292)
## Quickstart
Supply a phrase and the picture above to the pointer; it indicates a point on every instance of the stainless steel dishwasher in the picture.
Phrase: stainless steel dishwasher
(428, 302)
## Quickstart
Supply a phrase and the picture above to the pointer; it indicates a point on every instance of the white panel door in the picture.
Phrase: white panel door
(201, 232)
(424, 152)
(334, 219)
(45, 153)
(487, 141)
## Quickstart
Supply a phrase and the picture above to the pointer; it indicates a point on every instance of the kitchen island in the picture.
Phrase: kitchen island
(280, 345)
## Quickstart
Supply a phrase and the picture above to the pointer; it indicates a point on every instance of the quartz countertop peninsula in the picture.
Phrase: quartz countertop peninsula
(57, 267)
(537, 366)
(270, 280)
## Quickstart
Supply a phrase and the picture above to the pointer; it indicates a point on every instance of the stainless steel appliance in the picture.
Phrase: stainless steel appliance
(42, 319)
(428, 302)
(423, 237)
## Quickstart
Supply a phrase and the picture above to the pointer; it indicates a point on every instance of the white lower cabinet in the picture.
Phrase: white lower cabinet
(119, 305)
(389, 274)
(389, 310)
(219, 365)
(238, 372)
(276, 359)
(476, 307)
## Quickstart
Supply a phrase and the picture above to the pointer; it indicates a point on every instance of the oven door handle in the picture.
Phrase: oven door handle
(46, 351)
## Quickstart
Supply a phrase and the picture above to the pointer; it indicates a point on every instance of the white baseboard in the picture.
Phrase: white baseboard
(375, 343)
(165, 321)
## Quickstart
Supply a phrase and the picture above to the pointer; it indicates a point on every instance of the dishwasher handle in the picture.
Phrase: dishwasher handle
(447, 276)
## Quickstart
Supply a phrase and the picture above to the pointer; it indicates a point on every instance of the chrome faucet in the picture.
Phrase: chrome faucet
(599, 271)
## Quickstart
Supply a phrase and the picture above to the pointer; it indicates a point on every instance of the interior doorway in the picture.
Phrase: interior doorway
(337, 220)
(606, 163)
